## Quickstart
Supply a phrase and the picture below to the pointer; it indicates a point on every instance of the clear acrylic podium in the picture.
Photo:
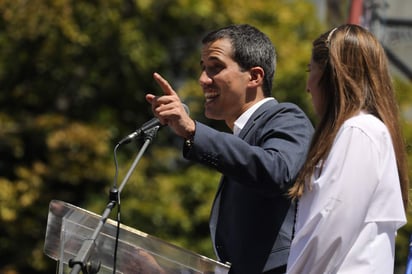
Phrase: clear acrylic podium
(69, 226)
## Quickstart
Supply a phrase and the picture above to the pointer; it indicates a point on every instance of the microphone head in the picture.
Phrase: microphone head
(154, 122)
(186, 108)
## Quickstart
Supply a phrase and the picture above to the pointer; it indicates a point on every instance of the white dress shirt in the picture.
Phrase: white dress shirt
(242, 120)
(347, 223)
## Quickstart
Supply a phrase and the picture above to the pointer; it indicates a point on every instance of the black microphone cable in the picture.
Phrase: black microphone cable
(115, 195)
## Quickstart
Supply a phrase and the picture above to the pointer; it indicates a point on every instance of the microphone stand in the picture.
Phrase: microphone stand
(81, 262)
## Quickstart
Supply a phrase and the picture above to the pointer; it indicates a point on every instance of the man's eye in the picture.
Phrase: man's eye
(213, 70)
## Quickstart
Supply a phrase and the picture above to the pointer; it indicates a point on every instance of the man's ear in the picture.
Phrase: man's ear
(256, 76)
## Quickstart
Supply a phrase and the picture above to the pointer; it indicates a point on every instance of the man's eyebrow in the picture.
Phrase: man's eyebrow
(211, 58)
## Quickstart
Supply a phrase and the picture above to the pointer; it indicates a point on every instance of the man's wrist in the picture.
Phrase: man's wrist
(189, 139)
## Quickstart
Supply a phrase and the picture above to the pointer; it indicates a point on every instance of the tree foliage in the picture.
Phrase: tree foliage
(73, 75)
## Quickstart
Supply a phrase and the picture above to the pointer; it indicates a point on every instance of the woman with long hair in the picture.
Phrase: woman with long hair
(352, 192)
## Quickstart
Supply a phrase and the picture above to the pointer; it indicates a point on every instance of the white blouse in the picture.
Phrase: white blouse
(347, 223)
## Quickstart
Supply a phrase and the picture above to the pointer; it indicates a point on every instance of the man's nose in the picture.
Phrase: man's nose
(204, 79)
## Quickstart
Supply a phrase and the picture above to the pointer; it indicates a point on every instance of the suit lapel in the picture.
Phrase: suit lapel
(251, 123)
(255, 116)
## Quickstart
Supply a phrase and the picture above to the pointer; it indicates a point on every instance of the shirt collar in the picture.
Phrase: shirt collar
(242, 120)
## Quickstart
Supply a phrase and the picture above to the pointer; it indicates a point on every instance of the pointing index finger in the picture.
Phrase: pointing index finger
(164, 84)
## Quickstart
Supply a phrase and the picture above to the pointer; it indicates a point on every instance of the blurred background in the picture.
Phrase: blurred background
(73, 75)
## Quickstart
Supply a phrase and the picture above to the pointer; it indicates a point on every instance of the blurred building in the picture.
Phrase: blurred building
(389, 20)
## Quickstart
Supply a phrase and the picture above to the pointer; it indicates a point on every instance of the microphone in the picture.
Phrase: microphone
(149, 125)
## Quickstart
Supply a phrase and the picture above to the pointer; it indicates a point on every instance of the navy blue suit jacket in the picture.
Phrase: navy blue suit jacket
(258, 167)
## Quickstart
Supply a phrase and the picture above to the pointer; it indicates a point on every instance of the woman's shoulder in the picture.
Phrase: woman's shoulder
(369, 126)
(365, 122)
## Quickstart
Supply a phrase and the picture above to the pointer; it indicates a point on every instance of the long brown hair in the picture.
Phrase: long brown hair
(355, 77)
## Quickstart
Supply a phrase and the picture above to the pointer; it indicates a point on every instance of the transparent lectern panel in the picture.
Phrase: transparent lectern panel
(68, 227)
